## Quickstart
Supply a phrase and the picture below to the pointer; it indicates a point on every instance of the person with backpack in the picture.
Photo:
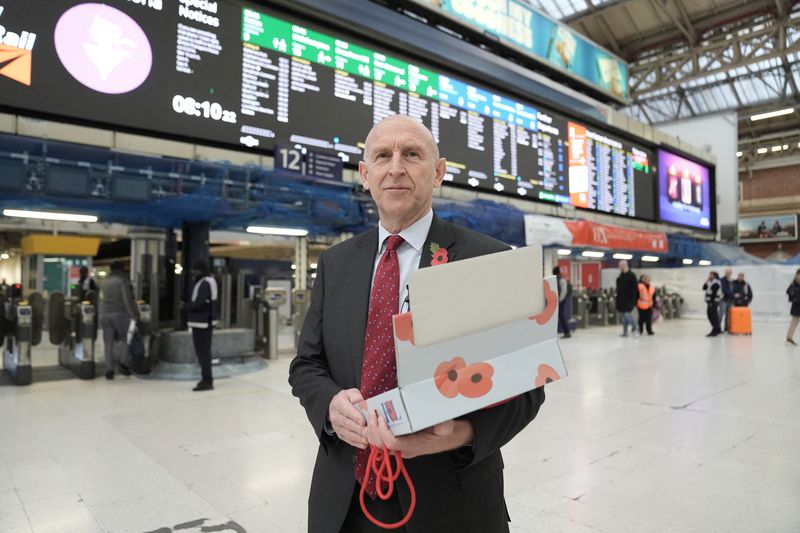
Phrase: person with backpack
(794, 297)
(563, 293)
(202, 315)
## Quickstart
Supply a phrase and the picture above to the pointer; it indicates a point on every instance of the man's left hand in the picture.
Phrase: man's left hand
(443, 437)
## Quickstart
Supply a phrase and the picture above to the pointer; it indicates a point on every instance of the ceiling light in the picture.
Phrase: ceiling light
(785, 146)
(4, 256)
(622, 256)
(761, 151)
(688, 262)
(650, 258)
(592, 253)
(563, 251)
(313, 275)
(738, 154)
(777, 148)
(704, 263)
(313, 266)
(288, 232)
(294, 267)
(49, 215)
(773, 114)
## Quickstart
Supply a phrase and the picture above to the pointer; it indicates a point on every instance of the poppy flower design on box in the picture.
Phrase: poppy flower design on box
(551, 302)
(455, 377)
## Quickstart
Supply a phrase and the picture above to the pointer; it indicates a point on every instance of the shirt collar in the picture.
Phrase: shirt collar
(414, 235)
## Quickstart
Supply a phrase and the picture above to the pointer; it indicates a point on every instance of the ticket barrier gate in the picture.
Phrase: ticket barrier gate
(672, 305)
(611, 305)
(270, 301)
(598, 315)
(580, 309)
(300, 301)
(677, 303)
(20, 330)
(73, 328)
(145, 329)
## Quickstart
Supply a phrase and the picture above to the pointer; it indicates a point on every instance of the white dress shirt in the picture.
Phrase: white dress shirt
(408, 253)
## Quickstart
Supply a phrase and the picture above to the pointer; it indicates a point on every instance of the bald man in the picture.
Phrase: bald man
(346, 354)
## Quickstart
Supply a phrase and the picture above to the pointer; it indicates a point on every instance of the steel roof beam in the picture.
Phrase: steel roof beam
(718, 55)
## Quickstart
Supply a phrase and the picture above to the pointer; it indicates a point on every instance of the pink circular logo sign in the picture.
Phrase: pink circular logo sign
(103, 48)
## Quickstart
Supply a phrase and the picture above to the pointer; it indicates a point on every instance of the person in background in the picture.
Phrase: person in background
(712, 287)
(794, 297)
(627, 289)
(117, 310)
(4, 288)
(726, 286)
(645, 304)
(563, 292)
(86, 284)
(202, 315)
(742, 294)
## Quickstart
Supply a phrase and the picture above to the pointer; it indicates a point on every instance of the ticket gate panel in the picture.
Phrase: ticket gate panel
(273, 298)
(73, 329)
(19, 328)
(36, 301)
(300, 301)
(145, 329)
(57, 319)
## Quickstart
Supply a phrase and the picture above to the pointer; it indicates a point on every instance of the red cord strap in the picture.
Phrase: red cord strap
(380, 463)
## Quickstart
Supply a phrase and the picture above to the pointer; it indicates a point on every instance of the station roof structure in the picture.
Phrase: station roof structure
(689, 58)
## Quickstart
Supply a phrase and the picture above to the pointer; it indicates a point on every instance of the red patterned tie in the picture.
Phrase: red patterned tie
(379, 369)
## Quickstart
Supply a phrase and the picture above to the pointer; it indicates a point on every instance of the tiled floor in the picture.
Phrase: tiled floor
(671, 433)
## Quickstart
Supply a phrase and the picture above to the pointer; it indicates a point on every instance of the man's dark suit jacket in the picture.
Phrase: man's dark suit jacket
(459, 491)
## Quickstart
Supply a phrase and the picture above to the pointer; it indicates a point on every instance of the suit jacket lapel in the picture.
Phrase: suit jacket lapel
(440, 234)
(359, 284)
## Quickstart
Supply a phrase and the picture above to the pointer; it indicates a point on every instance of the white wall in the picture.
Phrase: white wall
(769, 283)
(719, 134)
(11, 270)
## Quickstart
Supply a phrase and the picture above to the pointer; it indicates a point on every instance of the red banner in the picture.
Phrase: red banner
(585, 233)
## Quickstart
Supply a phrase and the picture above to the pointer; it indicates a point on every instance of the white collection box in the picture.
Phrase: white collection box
(481, 331)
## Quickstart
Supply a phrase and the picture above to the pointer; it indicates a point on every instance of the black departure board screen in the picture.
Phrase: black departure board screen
(250, 76)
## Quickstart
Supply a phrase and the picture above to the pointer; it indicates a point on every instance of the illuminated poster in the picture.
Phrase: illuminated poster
(768, 228)
(521, 26)
(684, 191)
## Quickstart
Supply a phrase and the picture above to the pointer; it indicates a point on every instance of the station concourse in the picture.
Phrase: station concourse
(194, 180)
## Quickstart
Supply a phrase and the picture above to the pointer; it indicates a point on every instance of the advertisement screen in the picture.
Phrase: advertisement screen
(685, 191)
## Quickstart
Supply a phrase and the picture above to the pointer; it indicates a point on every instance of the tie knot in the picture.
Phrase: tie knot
(393, 242)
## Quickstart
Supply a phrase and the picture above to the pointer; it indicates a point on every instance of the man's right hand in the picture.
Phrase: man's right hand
(346, 420)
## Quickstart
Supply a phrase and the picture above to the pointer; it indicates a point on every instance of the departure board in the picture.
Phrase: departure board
(608, 174)
(250, 76)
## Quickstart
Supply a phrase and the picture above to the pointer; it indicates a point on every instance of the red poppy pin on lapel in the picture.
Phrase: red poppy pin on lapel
(438, 254)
